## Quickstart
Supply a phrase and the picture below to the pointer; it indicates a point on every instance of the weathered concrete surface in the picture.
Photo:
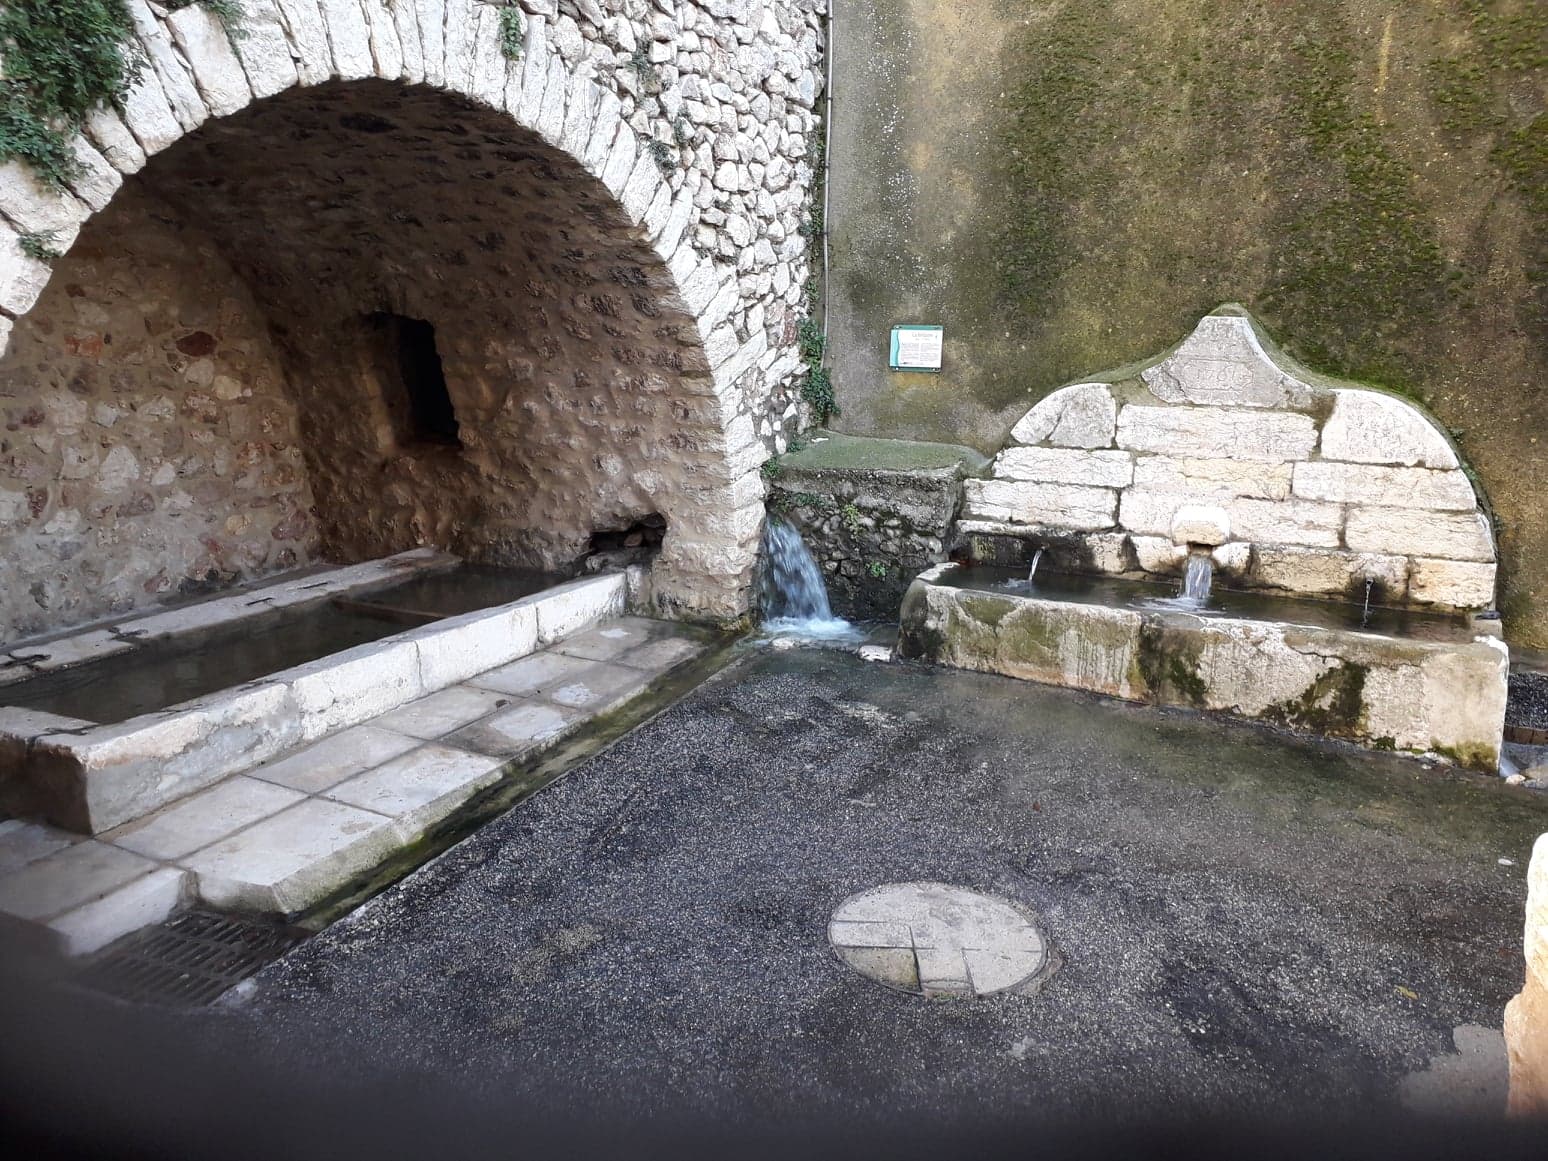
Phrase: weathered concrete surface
(1067, 185)
(1526, 1016)
(1385, 692)
(1241, 918)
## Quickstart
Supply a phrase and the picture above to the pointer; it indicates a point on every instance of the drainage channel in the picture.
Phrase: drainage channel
(197, 956)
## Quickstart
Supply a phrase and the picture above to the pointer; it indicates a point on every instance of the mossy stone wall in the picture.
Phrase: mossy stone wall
(1067, 185)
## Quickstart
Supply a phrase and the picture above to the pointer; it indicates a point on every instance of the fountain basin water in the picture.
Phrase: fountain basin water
(1412, 683)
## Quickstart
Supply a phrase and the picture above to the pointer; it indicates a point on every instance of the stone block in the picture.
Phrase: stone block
(562, 610)
(22, 278)
(1084, 415)
(170, 67)
(528, 81)
(1526, 1016)
(1321, 573)
(202, 818)
(293, 860)
(38, 209)
(518, 731)
(113, 138)
(263, 49)
(461, 29)
(1217, 433)
(1454, 584)
(420, 788)
(1149, 513)
(354, 686)
(1371, 428)
(386, 52)
(456, 648)
(531, 675)
(139, 903)
(601, 688)
(657, 657)
(1212, 479)
(23, 842)
(405, 18)
(556, 96)
(149, 116)
(1158, 554)
(1098, 469)
(350, 38)
(67, 879)
(1222, 363)
(320, 765)
(308, 36)
(216, 70)
(579, 115)
(1449, 535)
(490, 72)
(1201, 524)
(1344, 483)
(1304, 522)
(608, 640)
(442, 712)
(95, 180)
(432, 42)
(1232, 560)
(1054, 505)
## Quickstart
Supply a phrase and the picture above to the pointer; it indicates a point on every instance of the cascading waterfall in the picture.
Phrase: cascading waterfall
(795, 599)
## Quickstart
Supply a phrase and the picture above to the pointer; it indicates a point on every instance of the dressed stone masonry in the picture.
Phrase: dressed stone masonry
(605, 233)
(1296, 487)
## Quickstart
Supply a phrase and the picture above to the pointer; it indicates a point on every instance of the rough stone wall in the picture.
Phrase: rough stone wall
(674, 133)
(1068, 185)
(1526, 1016)
(149, 447)
(1304, 487)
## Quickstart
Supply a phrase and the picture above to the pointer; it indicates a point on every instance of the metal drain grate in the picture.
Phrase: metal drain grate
(187, 961)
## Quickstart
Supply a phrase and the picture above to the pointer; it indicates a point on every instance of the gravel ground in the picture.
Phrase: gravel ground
(1528, 701)
(1243, 920)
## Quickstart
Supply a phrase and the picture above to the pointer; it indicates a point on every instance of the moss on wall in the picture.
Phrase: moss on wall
(1067, 185)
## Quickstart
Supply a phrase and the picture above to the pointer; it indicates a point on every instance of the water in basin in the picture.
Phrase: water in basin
(450, 592)
(1149, 596)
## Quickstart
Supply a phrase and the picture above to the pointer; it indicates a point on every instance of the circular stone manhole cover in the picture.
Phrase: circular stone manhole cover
(933, 939)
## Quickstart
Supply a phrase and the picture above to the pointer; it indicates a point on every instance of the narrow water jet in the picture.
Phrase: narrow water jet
(1198, 578)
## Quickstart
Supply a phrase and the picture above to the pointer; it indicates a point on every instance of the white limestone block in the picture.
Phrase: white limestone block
(1232, 559)
(1416, 532)
(95, 180)
(1212, 479)
(1455, 584)
(114, 140)
(432, 39)
(6, 327)
(22, 278)
(1201, 524)
(1083, 415)
(1158, 554)
(405, 17)
(200, 819)
(1217, 433)
(67, 879)
(488, 77)
(1222, 363)
(350, 687)
(644, 180)
(139, 903)
(33, 207)
(1149, 513)
(461, 29)
(421, 788)
(534, 77)
(1318, 572)
(556, 93)
(455, 649)
(308, 36)
(1287, 522)
(207, 48)
(1371, 428)
(314, 768)
(562, 610)
(620, 160)
(264, 49)
(386, 51)
(726, 299)
(149, 116)
(350, 38)
(1053, 465)
(170, 67)
(1056, 505)
(1345, 483)
(599, 143)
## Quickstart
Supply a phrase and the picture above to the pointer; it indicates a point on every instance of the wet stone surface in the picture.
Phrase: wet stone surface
(1243, 919)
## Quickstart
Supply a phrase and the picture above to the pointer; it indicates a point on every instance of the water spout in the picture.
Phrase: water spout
(795, 599)
(1365, 615)
(1198, 578)
(1032, 572)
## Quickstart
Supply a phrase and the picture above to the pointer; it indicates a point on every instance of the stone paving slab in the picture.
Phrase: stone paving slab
(202, 818)
(286, 834)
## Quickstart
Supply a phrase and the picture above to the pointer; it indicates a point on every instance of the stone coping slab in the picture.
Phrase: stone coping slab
(282, 836)
(91, 777)
(1384, 692)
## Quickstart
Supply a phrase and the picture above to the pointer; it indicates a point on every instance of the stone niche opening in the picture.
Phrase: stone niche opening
(347, 321)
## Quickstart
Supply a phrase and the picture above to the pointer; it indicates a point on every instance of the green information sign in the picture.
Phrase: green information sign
(917, 348)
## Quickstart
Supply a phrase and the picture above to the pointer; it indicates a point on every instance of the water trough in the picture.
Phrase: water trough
(104, 726)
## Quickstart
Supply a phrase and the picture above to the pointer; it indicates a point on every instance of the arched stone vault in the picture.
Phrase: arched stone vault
(347, 158)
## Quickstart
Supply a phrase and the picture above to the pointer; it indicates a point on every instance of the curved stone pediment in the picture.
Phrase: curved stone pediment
(1324, 487)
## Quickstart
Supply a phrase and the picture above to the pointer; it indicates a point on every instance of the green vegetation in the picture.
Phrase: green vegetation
(513, 31)
(41, 245)
(662, 154)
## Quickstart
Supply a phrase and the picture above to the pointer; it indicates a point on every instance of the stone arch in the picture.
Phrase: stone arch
(200, 84)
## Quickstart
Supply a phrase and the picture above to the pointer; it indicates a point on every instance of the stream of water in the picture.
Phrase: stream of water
(795, 599)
